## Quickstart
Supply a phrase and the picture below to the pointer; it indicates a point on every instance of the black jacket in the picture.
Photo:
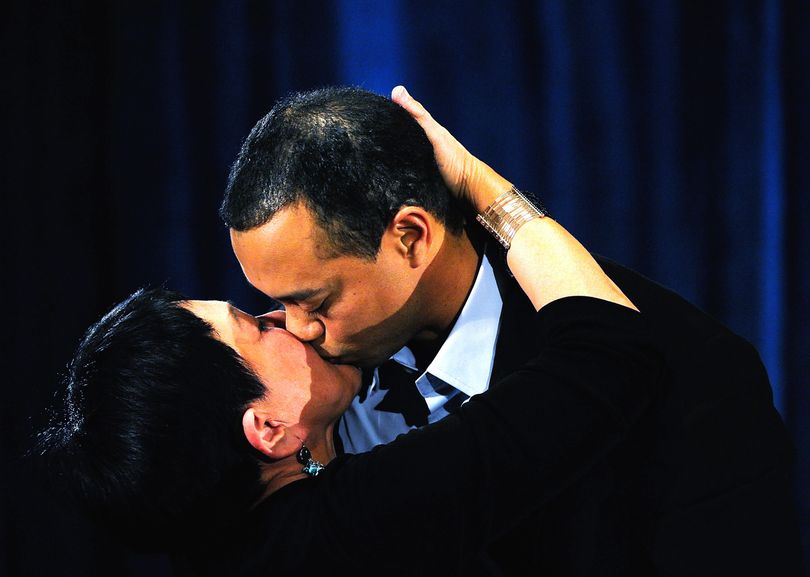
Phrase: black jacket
(701, 484)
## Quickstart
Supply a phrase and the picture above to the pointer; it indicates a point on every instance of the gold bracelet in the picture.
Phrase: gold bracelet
(507, 214)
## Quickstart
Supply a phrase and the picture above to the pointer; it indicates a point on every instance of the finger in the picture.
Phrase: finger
(401, 96)
(435, 132)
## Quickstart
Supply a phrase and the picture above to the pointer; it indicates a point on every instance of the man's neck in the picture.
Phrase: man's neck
(448, 284)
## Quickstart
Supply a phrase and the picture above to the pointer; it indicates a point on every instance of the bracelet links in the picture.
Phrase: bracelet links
(507, 214)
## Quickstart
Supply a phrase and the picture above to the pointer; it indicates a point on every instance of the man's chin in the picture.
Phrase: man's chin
(357, 361)
(354, 358)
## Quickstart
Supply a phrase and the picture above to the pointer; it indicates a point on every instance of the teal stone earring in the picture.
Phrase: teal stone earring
(311, 466)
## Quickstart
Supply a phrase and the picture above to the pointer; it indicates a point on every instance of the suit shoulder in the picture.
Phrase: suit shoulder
(674, 318)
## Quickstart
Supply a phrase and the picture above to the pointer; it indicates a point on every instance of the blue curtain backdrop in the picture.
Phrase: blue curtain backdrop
(673, 137)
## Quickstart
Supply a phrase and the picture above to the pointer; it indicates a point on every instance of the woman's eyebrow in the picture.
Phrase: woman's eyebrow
(233, 312)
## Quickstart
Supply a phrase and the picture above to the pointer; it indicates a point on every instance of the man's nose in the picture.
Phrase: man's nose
(302, 326)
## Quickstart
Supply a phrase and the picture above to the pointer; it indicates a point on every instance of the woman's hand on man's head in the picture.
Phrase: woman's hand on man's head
(467, 177)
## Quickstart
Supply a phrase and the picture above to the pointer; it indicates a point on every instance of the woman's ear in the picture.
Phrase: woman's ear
(268, 436)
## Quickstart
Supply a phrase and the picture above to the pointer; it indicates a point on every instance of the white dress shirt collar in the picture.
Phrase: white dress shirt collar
(465, 359)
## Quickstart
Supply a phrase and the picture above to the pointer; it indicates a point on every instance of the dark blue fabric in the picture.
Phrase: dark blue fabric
(670, 136)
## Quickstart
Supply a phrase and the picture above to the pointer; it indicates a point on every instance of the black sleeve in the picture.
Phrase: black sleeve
(733, 511)
(448, 489)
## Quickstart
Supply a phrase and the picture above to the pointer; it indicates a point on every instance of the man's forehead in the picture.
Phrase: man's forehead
(289, 238)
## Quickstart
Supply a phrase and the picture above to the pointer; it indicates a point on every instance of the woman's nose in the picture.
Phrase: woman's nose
(276, 318)
(305, 328)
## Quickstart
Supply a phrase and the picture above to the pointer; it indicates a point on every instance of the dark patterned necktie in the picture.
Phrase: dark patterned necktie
(402, 397)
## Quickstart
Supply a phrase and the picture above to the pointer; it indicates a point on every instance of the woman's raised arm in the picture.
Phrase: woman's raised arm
(546, 260)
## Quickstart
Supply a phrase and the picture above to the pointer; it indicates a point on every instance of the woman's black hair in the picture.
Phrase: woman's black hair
(147, 430)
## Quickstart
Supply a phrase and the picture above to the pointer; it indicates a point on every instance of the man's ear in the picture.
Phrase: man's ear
(268, 436)
(411, 231)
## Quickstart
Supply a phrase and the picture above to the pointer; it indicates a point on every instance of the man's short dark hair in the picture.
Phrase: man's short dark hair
(352, 157)
(147, 432)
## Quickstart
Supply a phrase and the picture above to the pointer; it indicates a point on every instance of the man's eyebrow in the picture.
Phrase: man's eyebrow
(299, 295)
